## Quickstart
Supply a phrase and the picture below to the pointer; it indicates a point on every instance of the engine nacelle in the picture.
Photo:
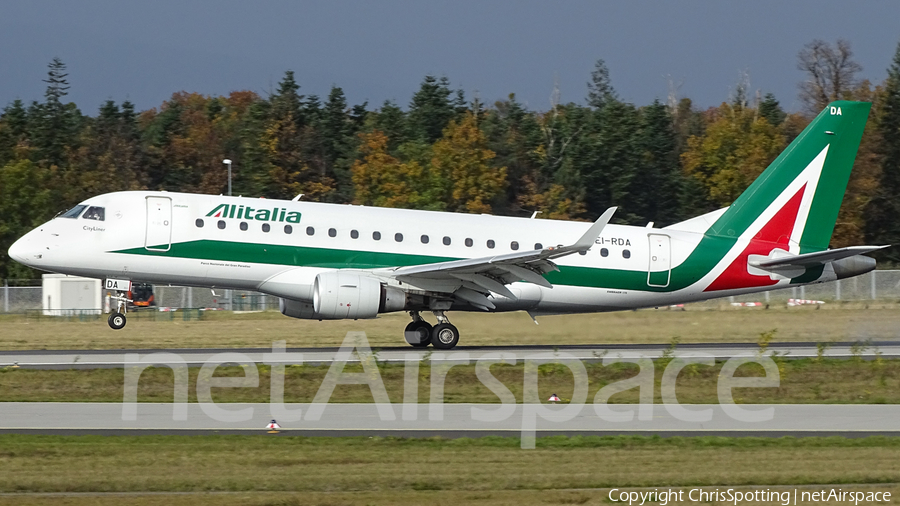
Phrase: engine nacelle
(338, 295)
(853, 266)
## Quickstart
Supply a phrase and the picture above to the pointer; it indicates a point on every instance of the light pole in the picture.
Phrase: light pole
(228, 163)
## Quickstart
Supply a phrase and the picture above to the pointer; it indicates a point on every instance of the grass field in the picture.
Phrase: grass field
(833, 322)
(802, 381)
(415, 471)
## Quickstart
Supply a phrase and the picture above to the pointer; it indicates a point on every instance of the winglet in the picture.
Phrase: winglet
(587, 240)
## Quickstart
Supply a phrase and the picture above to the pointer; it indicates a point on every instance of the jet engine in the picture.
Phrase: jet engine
(341, 295)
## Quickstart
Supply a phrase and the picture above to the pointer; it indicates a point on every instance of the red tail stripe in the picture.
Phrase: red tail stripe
(774, 234)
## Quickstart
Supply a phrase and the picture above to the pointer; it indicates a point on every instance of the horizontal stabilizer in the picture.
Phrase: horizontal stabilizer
(809, 259)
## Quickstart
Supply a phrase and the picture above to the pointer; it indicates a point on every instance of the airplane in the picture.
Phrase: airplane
(331, 261)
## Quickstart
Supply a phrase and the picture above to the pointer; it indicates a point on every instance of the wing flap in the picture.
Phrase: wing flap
(472, 279)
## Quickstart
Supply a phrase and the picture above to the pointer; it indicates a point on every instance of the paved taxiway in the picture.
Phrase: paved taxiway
(451, 420)
(91, 359)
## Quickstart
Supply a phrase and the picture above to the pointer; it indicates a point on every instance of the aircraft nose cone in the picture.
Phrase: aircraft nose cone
(19, 251)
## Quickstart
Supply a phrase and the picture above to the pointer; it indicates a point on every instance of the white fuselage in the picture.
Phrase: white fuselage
(139, 240)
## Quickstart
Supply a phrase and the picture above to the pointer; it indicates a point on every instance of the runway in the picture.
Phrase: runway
(94, 359)
(449, 420)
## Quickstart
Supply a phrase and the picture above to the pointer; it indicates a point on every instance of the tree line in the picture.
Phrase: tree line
(661, 162)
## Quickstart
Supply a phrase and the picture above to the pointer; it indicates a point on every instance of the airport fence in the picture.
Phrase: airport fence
(22, 296)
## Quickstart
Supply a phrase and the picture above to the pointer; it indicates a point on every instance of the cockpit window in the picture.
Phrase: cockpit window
(95, 213)
(74, 212)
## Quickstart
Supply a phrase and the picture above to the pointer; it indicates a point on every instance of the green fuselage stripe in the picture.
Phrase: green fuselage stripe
(701, 260)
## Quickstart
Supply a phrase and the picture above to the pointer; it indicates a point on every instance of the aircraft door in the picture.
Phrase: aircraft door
(159, 224)
(660, 267)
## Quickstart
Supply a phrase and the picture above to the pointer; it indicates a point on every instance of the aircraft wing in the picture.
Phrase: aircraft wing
(810, 259)
(472, 279)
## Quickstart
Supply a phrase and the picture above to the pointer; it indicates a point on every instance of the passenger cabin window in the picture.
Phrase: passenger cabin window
(398, 237)
(74, 212)
(310, 231)
(95, 213)
(221, 224)
(469, 242)
(604, 252)
(490, 243)
(538, 245)
(354, 234)
(446, 241)
(332, 232)
(626, 253)
(376, 235)
(266, 227)
(244, 226)
(582, 253)
(288, 229)
(514, 245)
(424, 239)
(199, 223)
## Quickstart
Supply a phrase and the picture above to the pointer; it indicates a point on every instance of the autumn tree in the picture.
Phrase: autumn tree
(734, 150)
(463, 176)
(14, 135)
(380, 179)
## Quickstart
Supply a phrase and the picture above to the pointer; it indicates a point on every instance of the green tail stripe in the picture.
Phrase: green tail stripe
(840, 125)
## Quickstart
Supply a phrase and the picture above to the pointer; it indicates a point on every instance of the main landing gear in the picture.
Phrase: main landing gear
(420, 333)
(117, 319)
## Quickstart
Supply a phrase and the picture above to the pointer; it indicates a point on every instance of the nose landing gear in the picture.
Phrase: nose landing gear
(419, 333)
(117, 319)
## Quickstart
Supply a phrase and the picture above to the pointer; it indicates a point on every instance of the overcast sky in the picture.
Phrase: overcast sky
(376, 50)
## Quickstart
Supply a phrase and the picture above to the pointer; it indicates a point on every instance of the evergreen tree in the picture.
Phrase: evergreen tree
(391, 121)
(771, 110)
(431, 109)
(600, 89)
(287, 102)
(883, 225)
(515, 136)
(613, 162)
(335, 127)
(358, 115)
(55, 123)
(657, 182)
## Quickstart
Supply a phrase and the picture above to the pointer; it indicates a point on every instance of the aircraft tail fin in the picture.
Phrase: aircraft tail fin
(795, 201)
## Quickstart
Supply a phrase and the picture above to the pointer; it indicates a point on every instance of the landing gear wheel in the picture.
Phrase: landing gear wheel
(116, 321)
(444, 336)
(418, 333)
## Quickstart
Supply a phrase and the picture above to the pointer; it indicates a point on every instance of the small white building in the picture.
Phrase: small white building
(70, 295)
